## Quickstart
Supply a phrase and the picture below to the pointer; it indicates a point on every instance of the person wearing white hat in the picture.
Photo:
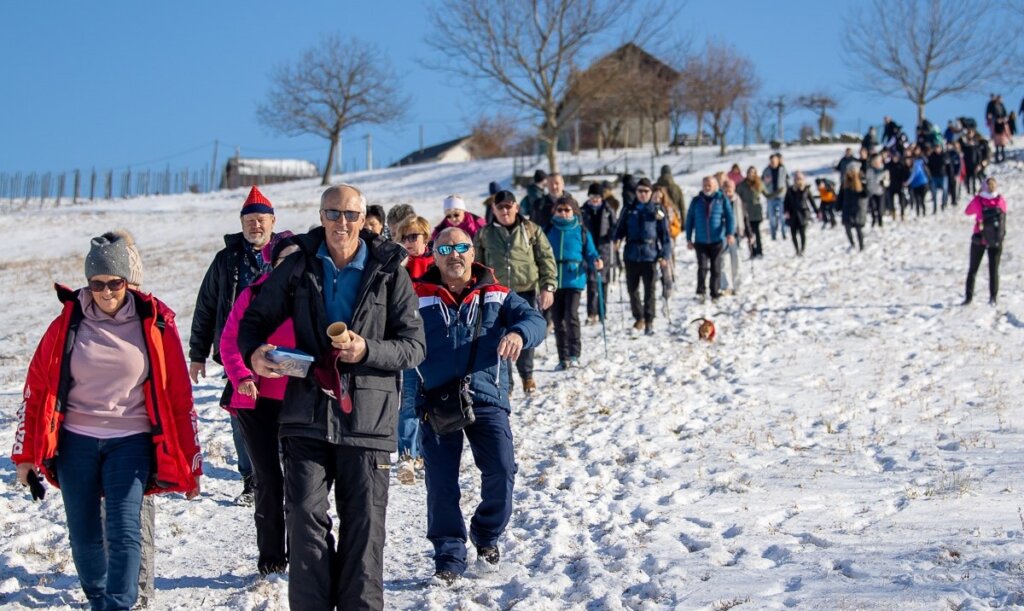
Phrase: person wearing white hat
(456, 215)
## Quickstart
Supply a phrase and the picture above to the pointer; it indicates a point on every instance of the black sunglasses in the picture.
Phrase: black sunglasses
(446, 249)
(97, 286)
(504, 206)
(332, 215)
(409, 238)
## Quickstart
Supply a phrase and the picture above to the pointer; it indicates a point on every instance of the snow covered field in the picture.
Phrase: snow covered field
(852, 440)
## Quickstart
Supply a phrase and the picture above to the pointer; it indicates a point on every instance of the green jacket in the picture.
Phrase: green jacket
(521, 257)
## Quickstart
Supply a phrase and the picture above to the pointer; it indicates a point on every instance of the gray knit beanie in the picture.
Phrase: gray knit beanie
(114, 254)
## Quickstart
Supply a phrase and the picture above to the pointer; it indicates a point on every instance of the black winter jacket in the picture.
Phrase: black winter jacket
(854, 206)
(216, 297)
(386, 314)
(798, 206)
(600, 222)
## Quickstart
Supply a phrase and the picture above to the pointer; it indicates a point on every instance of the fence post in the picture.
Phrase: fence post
(44, 188)
(60, 187)
(78, 186)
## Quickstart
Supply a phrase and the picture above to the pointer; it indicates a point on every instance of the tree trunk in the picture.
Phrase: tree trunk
(654, 136)
(920, 111)
(821, 123)
(700, 128)
(331, 153)
(551, 140)
(721, 143)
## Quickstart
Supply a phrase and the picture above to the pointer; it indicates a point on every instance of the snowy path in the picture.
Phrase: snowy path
(852, 440)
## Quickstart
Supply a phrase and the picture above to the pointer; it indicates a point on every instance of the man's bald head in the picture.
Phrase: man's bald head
(341, 194)
(453, 235)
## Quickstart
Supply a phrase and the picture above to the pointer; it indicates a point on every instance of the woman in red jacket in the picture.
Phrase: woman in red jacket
(107, 413)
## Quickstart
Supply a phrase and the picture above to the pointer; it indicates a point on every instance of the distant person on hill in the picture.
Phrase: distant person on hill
(989, 210)
(870, 140)
(898, 175)
(917, 181)
(751, 193)
(456, 215)
(876, 181)
(742, 229)
(829, 201)
(799, 206)
(937, 162)
(853, 200)
(954, 170)
(675, 192)
(644, 229)
(543, 211)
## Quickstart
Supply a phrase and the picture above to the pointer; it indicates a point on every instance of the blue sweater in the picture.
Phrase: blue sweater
(449, 326)
(709, 219)
(574, 252)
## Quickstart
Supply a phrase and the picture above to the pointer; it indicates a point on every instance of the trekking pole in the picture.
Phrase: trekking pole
(600, 311)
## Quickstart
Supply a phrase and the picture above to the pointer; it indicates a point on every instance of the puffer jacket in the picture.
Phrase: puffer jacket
(178, 461)
(645, 230)
(385, 315)
(979, 203)
(876, 180)
(854, 206)
(753, 202)
(234, 364)
(520, 255)
(919, 176)
(710, 219)
(449, 326)
(574, 252)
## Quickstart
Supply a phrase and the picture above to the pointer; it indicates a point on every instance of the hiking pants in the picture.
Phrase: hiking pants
(875, 205)
(977, 252)
(593, 304)
(860, 236)
(799, 235)
(524, 364)
(938, 183)
(709, 258)
(645, 271)
(259, 432)
(565, 312)
(490, 439)
(734, 268)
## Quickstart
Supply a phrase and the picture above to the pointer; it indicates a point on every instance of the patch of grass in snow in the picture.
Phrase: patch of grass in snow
(725, 605)
(957, 484)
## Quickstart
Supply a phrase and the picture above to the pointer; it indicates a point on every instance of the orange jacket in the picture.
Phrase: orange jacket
(178, 461)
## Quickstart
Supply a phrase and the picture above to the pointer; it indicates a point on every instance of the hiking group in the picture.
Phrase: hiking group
(375, 333)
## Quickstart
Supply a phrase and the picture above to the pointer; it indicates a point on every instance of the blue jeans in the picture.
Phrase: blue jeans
(89, 469)
(244, 464)
(775, 220)
(938, 183)
(408, 421)
(490, 439)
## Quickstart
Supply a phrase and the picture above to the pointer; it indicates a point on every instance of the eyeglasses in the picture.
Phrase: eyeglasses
(446, 249)
(332, 215)
(409, 238)
(453, 216)
(563, 210)
(97, 286)
(504, 207)
(642, 190)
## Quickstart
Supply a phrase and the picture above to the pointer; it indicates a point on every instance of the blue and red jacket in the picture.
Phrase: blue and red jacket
(449, 325)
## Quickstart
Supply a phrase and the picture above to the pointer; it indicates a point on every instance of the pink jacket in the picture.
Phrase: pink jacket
(471, 224)
(984, 200)
(234, 364)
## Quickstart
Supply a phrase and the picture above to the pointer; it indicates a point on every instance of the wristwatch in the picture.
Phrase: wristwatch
(549, 288)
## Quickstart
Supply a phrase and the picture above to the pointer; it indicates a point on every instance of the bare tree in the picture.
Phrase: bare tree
(819, 103)
(928, 49)
(333, 86)
(495, 136)
(716, 81)
(524, 51)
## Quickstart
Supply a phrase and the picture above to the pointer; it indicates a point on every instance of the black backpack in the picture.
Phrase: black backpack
(993, 226)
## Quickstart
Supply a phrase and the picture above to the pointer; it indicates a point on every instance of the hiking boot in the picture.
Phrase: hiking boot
(700, 298)
(248, 496)
(593, 319)
(406, 472)
(967, 301)
(446, 578)
(529, 386)
(489, 555)
(417, 463)
(562, 366)
(650, 329)
(992, 301)
(574, 361)
(639, 325)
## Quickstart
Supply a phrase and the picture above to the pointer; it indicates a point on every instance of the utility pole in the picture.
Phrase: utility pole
(213, 166)
(369, 151)
(779, 104)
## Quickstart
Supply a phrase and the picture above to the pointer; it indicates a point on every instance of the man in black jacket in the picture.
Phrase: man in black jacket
(599, 219)
(338, 275)
(234, 267)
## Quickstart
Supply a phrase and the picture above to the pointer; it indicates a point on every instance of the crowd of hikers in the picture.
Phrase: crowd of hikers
(376, 332)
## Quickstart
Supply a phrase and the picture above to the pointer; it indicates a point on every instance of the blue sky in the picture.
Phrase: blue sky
(147, 84)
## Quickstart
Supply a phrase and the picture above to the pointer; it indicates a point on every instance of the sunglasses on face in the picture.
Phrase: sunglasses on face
(446, 249)
(563, 210)
(504, 207)
(97, 286)
(332, 215)
(409, 238)
(453, 215)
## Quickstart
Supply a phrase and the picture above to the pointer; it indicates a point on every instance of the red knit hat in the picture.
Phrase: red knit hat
(256, 203)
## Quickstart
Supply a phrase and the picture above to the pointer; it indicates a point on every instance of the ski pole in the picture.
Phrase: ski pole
(600, 310)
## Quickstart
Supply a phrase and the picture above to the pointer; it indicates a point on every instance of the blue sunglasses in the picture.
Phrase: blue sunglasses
(446, 249)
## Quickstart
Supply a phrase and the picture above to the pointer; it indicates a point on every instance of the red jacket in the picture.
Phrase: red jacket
(178, 461)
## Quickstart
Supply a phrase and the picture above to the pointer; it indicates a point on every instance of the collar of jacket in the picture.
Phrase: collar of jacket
(430, 284)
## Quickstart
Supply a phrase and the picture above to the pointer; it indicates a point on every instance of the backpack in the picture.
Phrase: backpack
(993, 226)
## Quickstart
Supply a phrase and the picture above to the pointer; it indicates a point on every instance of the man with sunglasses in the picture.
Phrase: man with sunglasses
(233, 268)
(455, 295)
(340, 274)
(648, 244)
(522, 259)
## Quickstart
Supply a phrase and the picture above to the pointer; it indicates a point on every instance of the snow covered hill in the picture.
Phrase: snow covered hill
(853, 439)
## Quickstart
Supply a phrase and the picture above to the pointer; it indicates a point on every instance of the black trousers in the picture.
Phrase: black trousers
(828, 215)
(875, 206)
(895, 194)
(953, 185)
(917, 197)
(860, 236)
(593, 305)
(637, 272)
(259, 433)
(320, 576)
(709, 258)
(524, 364)
(755, 226)
(977, 252)
(565, 312)
(799, 235)
(971, 180)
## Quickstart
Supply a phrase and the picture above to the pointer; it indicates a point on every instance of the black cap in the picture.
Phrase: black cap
(502, 197)
(594, 189)
(540, 176)
(644, 182)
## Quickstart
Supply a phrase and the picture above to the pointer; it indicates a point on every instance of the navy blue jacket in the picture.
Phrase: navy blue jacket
(449, 326)
(645, 230)
(709, 219)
